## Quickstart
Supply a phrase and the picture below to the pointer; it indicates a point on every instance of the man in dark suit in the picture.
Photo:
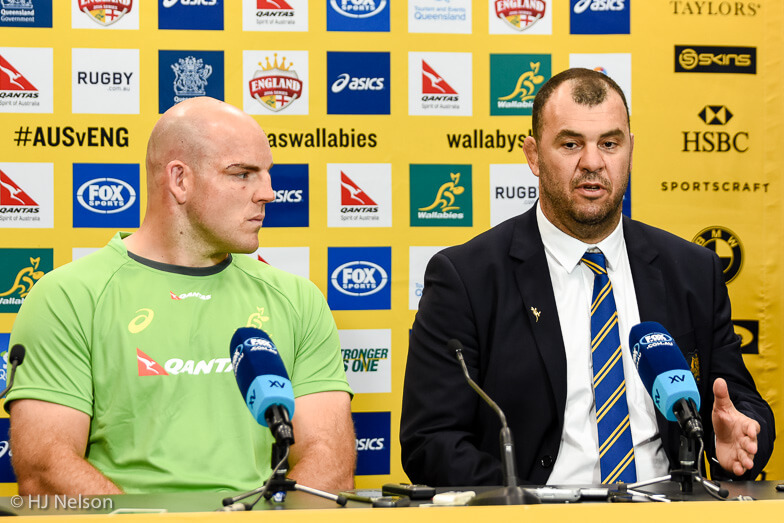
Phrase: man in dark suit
(518, 297)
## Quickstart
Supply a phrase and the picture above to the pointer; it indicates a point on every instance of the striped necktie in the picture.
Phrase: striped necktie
(616, 453)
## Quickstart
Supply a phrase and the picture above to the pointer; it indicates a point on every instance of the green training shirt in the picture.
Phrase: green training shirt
(143, 348)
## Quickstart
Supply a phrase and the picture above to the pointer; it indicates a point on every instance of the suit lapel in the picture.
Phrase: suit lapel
(532, 277)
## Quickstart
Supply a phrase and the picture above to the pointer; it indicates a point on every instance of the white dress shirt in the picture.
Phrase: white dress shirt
(578, 455)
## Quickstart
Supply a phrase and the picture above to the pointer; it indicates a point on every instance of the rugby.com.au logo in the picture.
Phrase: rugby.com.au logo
(359, 278)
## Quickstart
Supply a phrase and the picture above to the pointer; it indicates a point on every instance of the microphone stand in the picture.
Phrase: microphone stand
(511, 493)
(689, 454)
(277, 484)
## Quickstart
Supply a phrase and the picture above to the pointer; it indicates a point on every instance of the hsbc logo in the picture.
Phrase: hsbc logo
(359, 278)
(357, 84)
(106, 195)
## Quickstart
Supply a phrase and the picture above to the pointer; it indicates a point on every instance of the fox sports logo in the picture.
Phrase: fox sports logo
(358, 8)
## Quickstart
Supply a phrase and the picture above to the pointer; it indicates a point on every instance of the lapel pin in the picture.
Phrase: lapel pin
(536, 313)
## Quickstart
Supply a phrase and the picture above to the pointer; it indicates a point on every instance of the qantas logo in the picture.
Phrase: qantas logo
(186, 295)
(351, 193)
(148, 366)
(273, 4)
(11, 194)
(433, 83)
(12, 80)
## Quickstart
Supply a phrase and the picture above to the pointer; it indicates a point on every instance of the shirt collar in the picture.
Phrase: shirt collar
(567, 250)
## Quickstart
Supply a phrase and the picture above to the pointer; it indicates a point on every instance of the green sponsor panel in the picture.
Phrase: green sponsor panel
(514, 81)
(441, 195)
(19, 270)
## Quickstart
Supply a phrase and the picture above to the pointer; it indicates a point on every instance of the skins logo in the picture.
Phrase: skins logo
(275, 86)
(105, 12)
(12, 195)
(520, 14)
(358, 9)
(434, 87)
(727, 245)
(712, 59)
(148, 366)
(715, 115)
(351, 194)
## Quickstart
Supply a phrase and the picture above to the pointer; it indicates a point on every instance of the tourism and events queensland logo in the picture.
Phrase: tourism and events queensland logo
(292, 200)
(418, 258)
(373, 431)
(438, 16)
(188, 74)
(617, 66)
(274, 15)
(26, 195)
(514, 81)
(190, 14)
(104, 14)
(440, 84)
(276, 82)
(360, 278)
(521, 17)
(441, 195)
(105, 81)
(367, 359)
(26, 80)
(106, 195)
(599, 17)
(358, 15)
(26, 13)
(358, 83)
(19, 270)
(359, 195)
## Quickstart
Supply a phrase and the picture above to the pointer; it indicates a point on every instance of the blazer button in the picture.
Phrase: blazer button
(547, 461)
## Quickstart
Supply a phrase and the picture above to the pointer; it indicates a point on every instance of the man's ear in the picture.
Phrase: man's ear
(178, 180)
(531, 154)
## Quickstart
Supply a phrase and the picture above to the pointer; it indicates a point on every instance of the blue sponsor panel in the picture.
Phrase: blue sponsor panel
(626, 208)
(292, 200)
(360, 278)
(190, 14)
(595, 17)
(353, 15)
(106, 195)
(6, 470)
(26, 13)
(188, 74)
(4, 338)
(372, 432)
(358, 83)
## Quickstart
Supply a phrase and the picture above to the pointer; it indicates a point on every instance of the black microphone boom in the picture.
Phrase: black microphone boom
(511, 494)
(15, 358)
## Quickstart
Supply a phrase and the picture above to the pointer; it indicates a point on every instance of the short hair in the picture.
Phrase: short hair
(590, 88)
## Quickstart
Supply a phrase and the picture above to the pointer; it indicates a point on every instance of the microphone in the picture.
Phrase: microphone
(666, 376)
(511, 494)
(15, 358)
(263, 381)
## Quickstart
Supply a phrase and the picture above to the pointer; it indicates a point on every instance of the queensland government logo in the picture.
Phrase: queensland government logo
(276, 85)
(105, 12)
(726, 245)
(520, 14)
(188, 74)
(25, 13)
(19, 270)
(715, 59)
(514, 81)
(441, 196)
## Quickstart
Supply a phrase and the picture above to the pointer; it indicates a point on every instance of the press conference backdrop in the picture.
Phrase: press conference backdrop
(396, 129)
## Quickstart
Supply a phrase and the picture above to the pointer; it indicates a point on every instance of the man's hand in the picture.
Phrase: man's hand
(736, 433)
